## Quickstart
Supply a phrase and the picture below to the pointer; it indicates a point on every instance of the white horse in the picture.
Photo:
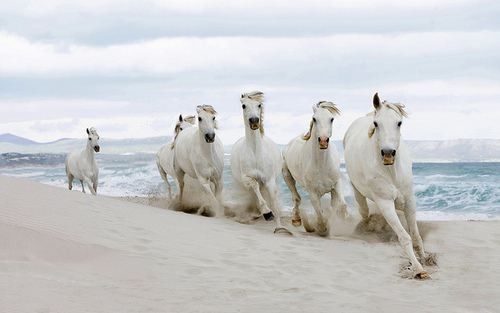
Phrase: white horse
(256, 160)
(82, 165)
(165, 156)
(315, 165)
(380, 169)
(200, 154)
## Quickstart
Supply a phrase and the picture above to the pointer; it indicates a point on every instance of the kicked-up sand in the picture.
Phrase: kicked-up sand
(64, 251)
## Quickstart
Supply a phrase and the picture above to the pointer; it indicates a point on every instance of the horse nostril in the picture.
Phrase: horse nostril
(319, 139)
(327, 139)
(387, 152)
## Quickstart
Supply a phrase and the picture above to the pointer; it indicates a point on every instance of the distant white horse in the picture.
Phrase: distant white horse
(82, 165)
(200, 154)
(380, 169)
(256, 160)
(165, 156)
(314, 164)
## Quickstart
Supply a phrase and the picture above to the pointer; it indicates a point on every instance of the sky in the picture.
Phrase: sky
(129, 68)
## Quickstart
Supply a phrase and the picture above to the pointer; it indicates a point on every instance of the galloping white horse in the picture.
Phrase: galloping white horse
(256, 160)
(380, 169)
(314, 164)
(82, 165)
(200, 154)
(165, 156)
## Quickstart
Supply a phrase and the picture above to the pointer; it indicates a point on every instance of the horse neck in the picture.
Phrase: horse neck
(253, 138)
(89, 151)
(319, 156)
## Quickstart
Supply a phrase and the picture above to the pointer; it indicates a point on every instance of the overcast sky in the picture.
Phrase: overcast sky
(130, 67)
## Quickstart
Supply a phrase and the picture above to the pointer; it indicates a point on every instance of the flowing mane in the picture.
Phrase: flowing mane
(207, 108)
(397, 107)
(330, 106)
(257, 96)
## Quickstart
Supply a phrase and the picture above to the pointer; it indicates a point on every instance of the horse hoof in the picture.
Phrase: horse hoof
(282, 230)
(268, 216)
(296, 222)
(422, 275)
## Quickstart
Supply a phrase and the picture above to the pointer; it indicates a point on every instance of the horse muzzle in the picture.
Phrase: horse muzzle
(210, 138)
(388, 156)
(323, 142)
(254, 123)
(97, 148)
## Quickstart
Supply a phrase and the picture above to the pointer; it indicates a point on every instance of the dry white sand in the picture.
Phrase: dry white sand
(63, 251)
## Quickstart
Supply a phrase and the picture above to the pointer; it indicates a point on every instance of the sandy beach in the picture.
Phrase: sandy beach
(64, 251)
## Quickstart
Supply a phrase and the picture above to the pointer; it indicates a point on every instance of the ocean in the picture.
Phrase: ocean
(444, 191)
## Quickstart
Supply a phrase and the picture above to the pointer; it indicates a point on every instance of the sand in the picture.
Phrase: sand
(64, 251)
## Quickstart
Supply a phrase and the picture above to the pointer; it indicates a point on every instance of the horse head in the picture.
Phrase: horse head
(206, 122)
(386, 127)
(252, 104)
(93, 139)
(321, 123)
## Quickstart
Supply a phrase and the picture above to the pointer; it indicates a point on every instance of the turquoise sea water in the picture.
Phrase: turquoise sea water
(443, 190)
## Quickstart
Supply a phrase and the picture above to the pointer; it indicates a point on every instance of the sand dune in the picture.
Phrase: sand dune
(63, 251)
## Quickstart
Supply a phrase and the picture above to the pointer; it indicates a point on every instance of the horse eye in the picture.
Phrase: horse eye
(314, 120)
(199, 119)
(260, 105)
(213, 118)
(244, 107)
(331, 121)
(399, 124)
(375, 123)
(90, 139)
(181, 128)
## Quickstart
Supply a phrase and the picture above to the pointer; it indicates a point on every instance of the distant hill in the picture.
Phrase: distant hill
(458, 150)
(108, 146)
(16, 140)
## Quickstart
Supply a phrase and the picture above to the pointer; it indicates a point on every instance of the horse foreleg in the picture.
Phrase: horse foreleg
(388, 210)
(95, 183)
(206, 184)
(322, 224)
(290, 182)
(337, 201)
(90, 185)
(411, 220)
(362, 204)
(272, 190)
(252, 184)
(180, 181)
(83, 186)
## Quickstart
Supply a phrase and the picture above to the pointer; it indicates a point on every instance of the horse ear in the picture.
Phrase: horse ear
(315, 107)
(376, 101)
(88, 133)
(180, 117)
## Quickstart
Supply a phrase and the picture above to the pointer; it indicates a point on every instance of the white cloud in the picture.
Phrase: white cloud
(46, 7)
(176, 55)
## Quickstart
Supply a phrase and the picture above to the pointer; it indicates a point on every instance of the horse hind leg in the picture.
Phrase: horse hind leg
(290, 182)
(70, 181)
(83, 185)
